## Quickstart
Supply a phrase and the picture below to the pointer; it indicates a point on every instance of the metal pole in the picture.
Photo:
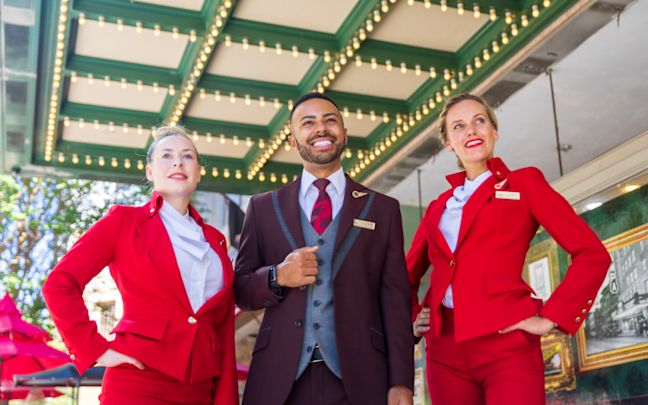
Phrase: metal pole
(420, 202)
(555, 117)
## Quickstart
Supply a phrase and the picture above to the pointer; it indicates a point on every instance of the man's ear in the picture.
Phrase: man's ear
(292, 142)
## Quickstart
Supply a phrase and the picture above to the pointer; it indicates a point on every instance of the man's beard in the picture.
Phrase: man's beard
(320, 157)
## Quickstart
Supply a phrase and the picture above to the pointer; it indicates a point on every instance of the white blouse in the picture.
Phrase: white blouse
(200, 267)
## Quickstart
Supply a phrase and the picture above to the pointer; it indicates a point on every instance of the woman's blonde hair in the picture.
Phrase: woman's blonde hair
(165, 132)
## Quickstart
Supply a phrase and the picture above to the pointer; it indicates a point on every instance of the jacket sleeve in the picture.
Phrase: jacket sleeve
(572, 300)
(418, 263)
(251, 286)
(396, 307)
(63, 289)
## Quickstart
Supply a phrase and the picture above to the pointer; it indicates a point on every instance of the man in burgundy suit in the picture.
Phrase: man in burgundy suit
(324, 256)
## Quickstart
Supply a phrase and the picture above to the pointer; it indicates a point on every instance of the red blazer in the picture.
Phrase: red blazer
(371, 294)
(486, 267)
(159, 327)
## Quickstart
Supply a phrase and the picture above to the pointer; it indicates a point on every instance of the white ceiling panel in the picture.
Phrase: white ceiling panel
(417, 25)
(267, 66)
(103, 135)
(146, 48)
(330, 14)
(379, 81)
(250, 112)
(195, 5)
(115, 96)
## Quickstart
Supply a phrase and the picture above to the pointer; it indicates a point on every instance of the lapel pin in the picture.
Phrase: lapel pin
(358, 194)
(501, 184)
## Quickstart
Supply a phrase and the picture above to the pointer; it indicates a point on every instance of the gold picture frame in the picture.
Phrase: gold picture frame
(541, 270)
(558, 358)
(616, 331)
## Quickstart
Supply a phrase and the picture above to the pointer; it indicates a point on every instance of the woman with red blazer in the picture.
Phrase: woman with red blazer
(481, 324)
(175, 342)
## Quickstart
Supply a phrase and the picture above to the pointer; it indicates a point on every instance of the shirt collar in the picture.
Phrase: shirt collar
(495, 165)
(337, 179)
(157, 201)
(472, 185)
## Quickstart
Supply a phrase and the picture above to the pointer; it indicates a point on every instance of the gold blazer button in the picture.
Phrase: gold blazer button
(192, 320)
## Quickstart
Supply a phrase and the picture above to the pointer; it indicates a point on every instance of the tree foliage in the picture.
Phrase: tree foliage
(40, 220)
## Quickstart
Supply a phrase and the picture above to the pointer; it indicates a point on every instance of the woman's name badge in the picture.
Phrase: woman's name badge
(359, 223)
(507, 195)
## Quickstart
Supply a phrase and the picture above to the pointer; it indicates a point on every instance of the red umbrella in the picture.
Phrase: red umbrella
(22, 357)
(13, 326)
(9, 391)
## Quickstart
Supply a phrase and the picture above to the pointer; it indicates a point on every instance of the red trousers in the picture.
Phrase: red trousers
(127, 385)
(496, 369)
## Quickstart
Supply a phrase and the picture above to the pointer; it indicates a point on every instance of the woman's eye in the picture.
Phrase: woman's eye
(188, 156)
(480, 120)
(457, 126)
(166, 155)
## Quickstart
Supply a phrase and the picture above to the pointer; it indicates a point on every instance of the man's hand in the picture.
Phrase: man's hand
(422, 323)
(112, 358)
(298, 268)
(536, 325)
(400, 395)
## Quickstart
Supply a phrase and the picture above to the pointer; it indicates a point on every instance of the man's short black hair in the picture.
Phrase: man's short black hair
(310, 96)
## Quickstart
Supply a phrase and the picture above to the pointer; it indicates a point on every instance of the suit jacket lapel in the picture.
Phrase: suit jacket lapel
(289, 203)
(483, 193)
(351, 207)
(159, 248)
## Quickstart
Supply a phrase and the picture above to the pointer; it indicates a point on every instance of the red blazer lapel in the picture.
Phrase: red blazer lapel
(160, 251)
(434, 217)
(289, 203)
(351, 207)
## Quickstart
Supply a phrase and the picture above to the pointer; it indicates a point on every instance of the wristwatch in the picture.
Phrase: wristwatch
(272, 278)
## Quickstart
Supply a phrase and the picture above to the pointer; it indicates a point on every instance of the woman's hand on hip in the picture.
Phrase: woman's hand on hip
(536, 325)
(422, 323)
(112, 358)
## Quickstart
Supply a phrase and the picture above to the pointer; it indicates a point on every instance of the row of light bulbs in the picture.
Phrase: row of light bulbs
(128, 164)
(199, 65)
(139, 27)
(57, 75)
(403, 126)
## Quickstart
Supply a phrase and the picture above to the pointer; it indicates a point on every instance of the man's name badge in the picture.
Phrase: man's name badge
(364, 224)
(507, 195)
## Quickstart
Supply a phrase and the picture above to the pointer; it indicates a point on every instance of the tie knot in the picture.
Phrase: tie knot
(321, 184)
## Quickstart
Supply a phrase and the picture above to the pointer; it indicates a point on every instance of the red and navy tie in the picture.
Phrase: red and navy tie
(322, 214)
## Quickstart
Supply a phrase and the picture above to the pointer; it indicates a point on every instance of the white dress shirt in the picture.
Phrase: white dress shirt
(450, 222)
(308, 193)
(200, 267)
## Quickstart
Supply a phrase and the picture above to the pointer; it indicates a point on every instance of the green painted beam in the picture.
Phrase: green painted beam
(272, 34)
(411, 55)
(229, 129)
(241, 87)
(148, 14)
(83, 65)
(367, 103)
(482, 39)
(105, 115)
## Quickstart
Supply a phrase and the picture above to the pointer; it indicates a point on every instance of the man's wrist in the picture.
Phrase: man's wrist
(272, 278)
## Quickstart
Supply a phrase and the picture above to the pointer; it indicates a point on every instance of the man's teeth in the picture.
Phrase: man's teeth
(322, 143)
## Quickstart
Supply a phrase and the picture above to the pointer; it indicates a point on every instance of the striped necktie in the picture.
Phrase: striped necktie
(322, 214)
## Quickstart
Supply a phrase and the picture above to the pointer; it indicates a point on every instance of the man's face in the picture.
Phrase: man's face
(318, 133)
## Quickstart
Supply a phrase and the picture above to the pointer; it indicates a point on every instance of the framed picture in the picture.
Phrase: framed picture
(419, 386)
(616, 331)
(559, 367)
(541, 268)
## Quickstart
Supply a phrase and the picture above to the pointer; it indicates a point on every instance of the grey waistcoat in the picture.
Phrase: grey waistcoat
(319, 322)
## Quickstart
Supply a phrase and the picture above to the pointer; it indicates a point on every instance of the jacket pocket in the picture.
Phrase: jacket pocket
(150, 328)
(377, 340)
(500, 284)
(262, 340)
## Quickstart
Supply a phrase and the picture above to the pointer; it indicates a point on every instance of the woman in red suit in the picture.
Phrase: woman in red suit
(175, 342)
(481, 324)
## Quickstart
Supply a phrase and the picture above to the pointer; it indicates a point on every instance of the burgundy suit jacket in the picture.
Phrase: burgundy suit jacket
(486, 266)
(159, 327)
(371, 295)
